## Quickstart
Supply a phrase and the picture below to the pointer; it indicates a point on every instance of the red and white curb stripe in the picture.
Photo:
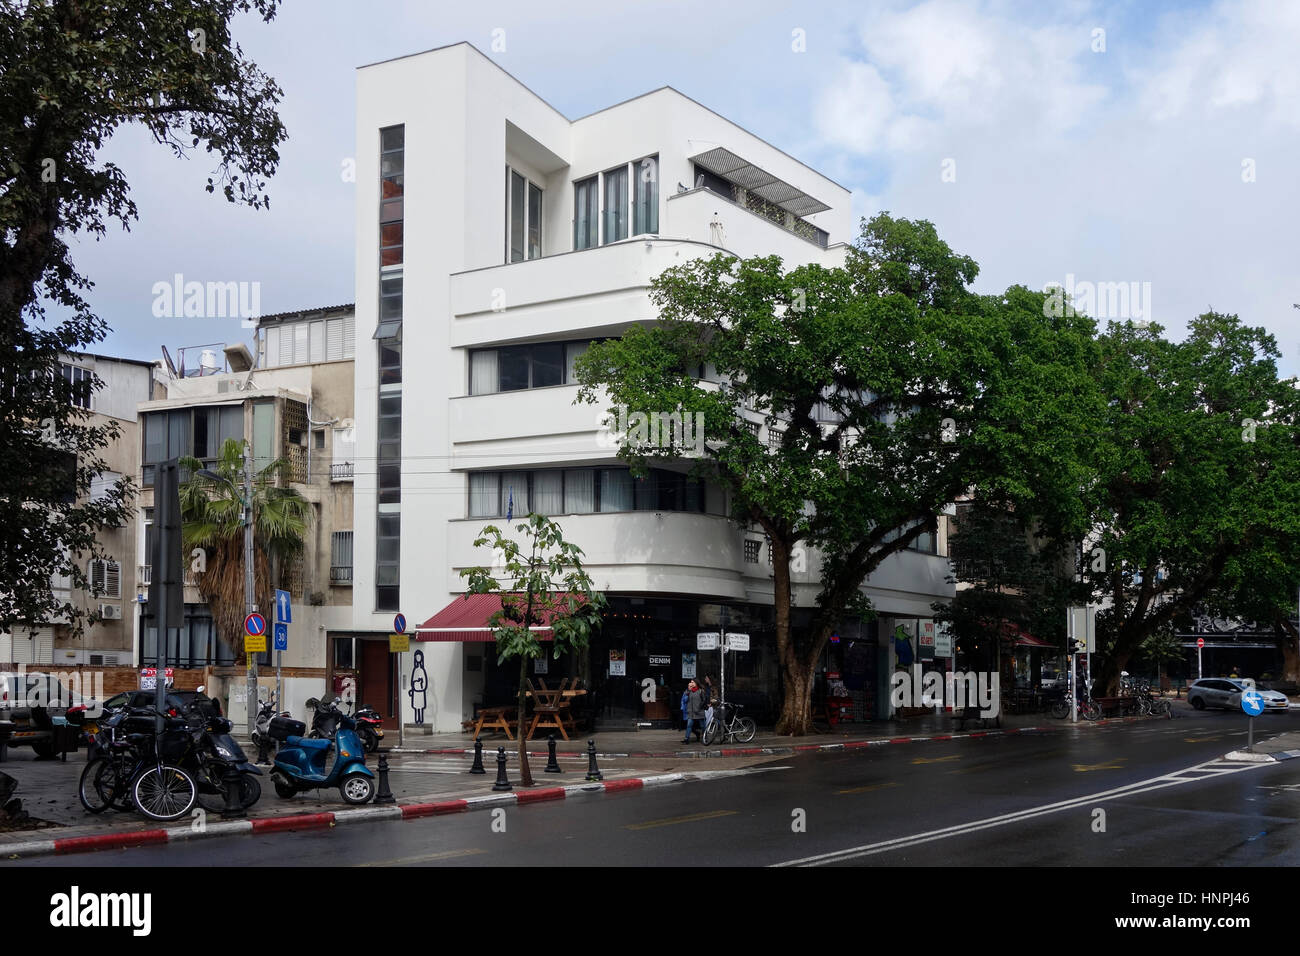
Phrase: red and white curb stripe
(326, 820)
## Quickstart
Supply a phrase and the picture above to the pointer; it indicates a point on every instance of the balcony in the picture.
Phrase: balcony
(341, 574)
(341, 471)
(144, 576)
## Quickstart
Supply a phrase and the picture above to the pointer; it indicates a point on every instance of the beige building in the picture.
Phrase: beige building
(291, 395)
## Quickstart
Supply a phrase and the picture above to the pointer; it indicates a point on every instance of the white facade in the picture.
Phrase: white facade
(465, 121)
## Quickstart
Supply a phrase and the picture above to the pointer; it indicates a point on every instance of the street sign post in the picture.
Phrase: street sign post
(282, 612)
(1200, 642)
(254, 636)
(737, 642)
(399, 624)
(281, 645)
(1252, 702)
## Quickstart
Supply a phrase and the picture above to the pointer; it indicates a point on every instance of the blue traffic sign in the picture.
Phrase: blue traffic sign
(1252, 702)
(399, 624)
(281, 637)
(282, 607)
(254, 625)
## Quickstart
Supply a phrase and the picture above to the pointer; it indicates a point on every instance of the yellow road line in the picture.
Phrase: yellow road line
(920, 760)
(874, 786)
(1111, 765)
(1201, 740)
(444, 855)
(692, 818)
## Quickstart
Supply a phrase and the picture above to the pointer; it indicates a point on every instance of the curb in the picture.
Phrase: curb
(325, 821)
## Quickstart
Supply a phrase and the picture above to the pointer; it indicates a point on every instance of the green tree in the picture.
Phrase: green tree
(887, 390)
(545, 585)
(1196, 492)
(71, 74)
(212, 518)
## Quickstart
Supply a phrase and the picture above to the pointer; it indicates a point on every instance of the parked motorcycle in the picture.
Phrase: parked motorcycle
(300, 763)
(214, 755)
(370, 723)
(370, 728)
(262, 739)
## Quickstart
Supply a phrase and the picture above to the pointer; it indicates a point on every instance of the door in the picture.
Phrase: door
(376, 688)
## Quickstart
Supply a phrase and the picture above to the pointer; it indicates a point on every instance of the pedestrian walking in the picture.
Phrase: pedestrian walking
(694, 712)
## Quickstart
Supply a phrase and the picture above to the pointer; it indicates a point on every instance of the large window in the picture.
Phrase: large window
(615, 204)
(645, 207)
(555, 491)
(392, 166)
(517, 367)
(321, 340)
(621, 201)
(341, 557)
(388, 331)
(188, 431)
(79, 379)
(523, 218)
(388, 545)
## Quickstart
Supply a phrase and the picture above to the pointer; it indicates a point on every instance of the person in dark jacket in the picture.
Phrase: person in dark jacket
(695, 707)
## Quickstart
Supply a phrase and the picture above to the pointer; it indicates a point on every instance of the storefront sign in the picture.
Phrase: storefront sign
(926, 645)
(149, 678)
(706, 641)
(618, 663)
(943, 639)
(688, 665)
(737, 642)
(399, 643)
(660, 660)
(540, 665)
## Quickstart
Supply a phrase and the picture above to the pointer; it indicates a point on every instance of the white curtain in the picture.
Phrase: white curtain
(579, 492)
(483, 496)
(548, 493)
(514, 483)
(484, 374)
(615, 491)
(571, 353)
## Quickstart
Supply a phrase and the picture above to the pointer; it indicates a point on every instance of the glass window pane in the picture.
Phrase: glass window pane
(263, 434)
(483, 374)
(390, 257)
(571, 352)
(392, 186)
(390, 234)
(514, 489)
(388, 549)
(646, 208)
(394, 137)
(391, 211)
(548, 496)
(155, 437)
(615, 205)
(513, 368)
(646, 491)
(178, 433)
(387, 598)
(534, 221)
(548, 365)
(390, 526)
(483, 498)
(202, 442)
(585, 212)
(615, 490)
(579, 491)
(516, 217)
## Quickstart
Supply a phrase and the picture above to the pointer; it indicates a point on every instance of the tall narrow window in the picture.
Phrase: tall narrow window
(523, 217)
(534, 221)
(586, 214)
(517, 213)
(645, 208)
(615, 205)
(392, 166)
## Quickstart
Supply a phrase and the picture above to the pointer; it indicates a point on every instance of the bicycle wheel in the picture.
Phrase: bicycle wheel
(1061, 709)
(712, 732)
(1161, 708)
(1089, 710)
(164, 792)
(89, 792)
(745, 728)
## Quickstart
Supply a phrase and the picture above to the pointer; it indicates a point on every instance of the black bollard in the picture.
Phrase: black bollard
(593, 772)
(234, 808)
(552, 765)
(503, 782)
(478, 757)
(385, 795)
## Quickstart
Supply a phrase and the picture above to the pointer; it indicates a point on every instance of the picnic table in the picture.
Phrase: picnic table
(553, 708)
(494, 719)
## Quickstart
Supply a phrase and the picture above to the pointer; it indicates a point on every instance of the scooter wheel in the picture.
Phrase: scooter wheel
(282, 789)
(357, 788)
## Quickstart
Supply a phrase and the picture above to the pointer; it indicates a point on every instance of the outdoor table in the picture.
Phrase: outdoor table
(496, 718)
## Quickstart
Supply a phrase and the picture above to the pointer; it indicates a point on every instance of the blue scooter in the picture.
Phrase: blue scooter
(300, 761)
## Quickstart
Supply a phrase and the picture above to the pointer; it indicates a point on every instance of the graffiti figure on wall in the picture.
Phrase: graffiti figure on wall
(419, 687)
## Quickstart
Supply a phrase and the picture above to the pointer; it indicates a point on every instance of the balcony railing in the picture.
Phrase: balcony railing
(341, 574)
(341, 471)
(144, 576)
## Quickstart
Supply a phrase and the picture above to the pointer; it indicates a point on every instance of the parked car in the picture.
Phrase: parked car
(1226, 692)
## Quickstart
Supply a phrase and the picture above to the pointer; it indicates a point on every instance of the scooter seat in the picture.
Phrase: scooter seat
(308, 743)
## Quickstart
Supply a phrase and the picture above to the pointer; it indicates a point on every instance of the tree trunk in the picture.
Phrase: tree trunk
(796, 705)
(525, 773)
(1289, 644)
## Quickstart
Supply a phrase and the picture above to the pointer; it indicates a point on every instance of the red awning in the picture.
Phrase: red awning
(1024, 638)
(466, 619)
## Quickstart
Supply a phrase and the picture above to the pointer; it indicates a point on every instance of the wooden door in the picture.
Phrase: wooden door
(376, 688)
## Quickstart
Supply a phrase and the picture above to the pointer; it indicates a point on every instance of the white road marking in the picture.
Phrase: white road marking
(1142, 786)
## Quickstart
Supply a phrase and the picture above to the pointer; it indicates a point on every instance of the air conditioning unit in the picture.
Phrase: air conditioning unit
(103, 660)
(110, 612)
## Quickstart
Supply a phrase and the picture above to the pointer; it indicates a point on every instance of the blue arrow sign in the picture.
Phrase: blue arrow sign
(254, 625)
(282, 637)
(1252, 702)
(282, 607)
(399, 624)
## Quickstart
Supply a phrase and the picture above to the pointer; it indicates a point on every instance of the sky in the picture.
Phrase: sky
(1154, 144)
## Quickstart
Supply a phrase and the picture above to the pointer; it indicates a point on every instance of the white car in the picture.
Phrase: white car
(1226, 692)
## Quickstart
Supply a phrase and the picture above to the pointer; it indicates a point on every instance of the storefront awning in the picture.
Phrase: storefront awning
(467, 619)
(1024, 638)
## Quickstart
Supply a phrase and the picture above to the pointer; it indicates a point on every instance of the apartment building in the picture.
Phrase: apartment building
(108, 641)
(495, 239)
(291, 395)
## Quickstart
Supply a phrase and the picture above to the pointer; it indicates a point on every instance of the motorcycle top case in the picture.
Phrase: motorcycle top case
(282, 728)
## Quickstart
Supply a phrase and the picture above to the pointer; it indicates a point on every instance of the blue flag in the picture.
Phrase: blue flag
(510, 508)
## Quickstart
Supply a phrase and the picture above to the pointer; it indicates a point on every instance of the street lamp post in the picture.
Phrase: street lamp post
(250, 600)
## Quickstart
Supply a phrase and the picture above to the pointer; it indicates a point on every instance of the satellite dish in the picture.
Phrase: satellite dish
(171, 368)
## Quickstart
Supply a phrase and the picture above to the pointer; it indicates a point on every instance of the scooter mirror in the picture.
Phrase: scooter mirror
(201, 689)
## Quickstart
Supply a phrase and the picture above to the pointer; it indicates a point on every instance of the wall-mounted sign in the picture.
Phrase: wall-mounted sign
(737, 642)
(617, 663)
(541, 665)
(926, 640)
(660, 660)
(943, 639)
(688, 665)
(707, 641)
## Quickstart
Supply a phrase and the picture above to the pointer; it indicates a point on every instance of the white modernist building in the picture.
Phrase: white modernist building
(495, 239)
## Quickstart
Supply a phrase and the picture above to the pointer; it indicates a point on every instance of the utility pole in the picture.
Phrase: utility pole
(250, 602)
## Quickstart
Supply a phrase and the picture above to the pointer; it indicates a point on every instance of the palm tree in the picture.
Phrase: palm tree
(212, 516)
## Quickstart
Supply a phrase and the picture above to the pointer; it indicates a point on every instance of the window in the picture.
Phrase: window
(518, 367)
(483, 495)
(548, 492)
(582, 491)
(523, 218)
(751, 550)
(514, 494)
(615, 490)
(189, 431)
(390, 362)
(321, 340)
(79, 381)
(579, 491)
(392, 166)
(615, 205)
(345, 449)
(645, 206)
(388, 562)
(102, 484)
(105, 578)
(586, 214)
(341, 557)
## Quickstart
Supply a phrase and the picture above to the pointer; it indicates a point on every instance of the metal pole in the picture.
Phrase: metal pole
(722, 655)
(1198, 662)
(1088, 638)
(249, 599)
(1250, 740)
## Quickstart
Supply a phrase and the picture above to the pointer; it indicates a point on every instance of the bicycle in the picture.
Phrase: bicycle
(1088, 708)
(727, 723)
(139, 770)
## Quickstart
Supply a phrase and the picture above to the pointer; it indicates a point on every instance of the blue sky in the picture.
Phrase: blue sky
(1162, 151)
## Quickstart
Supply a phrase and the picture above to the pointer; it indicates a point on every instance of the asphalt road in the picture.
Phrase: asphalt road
(1024, 799)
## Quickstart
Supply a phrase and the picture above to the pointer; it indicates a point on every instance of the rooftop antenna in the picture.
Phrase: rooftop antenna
(167, 359)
